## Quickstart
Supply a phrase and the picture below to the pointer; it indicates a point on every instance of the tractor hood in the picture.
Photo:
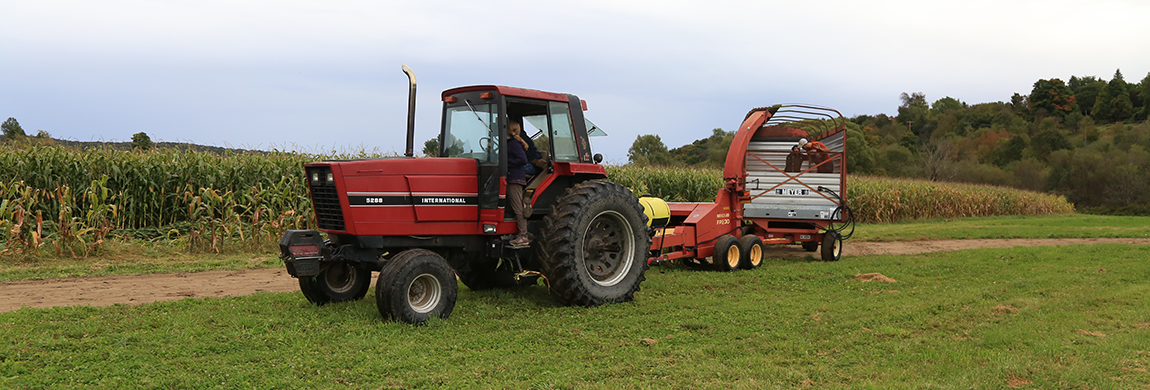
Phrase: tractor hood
(385, 196)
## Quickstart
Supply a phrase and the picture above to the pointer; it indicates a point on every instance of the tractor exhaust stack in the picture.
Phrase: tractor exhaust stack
(410, 112)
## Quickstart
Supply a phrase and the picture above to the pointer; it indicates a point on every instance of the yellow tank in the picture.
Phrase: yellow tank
(657, 211)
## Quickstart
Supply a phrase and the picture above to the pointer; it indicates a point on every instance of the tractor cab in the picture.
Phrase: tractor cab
(475, 120)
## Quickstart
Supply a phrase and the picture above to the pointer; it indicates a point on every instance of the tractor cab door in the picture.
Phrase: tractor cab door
(549, 124)
(534, 116)
(558, 131)
(471, 130)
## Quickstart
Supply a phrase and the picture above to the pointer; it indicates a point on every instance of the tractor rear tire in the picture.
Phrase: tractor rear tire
(414, 286)
(340, 282)
(832, 246)
(595, 245)
(727, 254)
(752, 248)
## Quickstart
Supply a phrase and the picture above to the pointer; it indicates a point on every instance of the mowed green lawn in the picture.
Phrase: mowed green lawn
(1014, 226)
(1042, 317)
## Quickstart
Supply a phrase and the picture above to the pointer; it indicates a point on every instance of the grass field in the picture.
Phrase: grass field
(1018, 226)
(1050, 317)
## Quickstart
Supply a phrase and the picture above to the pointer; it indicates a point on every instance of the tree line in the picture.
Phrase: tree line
(1087, 139)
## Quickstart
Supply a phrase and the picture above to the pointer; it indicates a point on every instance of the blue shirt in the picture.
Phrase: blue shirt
(516, 159)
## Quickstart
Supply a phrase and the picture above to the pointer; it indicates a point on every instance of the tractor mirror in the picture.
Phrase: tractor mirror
(598, 158)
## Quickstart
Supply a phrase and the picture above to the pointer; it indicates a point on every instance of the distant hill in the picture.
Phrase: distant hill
(128, 146)
(125, 146)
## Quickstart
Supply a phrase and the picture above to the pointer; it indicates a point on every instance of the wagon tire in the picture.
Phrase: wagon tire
(751, 247)
(727, 254)
(832, 246)
(811, 246)
(414, 286)
(595, 245)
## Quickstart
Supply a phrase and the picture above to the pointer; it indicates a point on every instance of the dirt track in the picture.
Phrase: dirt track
(137, 289)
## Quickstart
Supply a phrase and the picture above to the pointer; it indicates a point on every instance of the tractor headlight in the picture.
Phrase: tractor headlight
(330, 179)
(315, 178)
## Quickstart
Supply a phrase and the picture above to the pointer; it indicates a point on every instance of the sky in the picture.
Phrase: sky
(318, 76)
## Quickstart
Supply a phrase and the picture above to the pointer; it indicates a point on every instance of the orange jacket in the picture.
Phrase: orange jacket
(815, 145)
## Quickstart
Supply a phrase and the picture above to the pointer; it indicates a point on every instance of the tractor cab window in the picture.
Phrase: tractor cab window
(470, 132)
(562, 133)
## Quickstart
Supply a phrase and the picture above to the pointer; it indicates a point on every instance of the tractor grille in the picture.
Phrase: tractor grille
(325, 200)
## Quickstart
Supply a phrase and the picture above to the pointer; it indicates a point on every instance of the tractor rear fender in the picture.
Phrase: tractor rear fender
(556, 185)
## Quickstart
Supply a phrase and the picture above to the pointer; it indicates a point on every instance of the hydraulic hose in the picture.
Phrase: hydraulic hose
(843, 211)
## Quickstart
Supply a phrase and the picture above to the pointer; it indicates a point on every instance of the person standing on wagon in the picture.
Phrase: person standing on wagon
(817, 153)
(795, 160)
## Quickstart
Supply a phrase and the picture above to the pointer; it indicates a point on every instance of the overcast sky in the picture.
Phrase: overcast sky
(323, 75)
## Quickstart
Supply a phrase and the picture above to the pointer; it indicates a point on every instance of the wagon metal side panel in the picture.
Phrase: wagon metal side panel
(776, 193)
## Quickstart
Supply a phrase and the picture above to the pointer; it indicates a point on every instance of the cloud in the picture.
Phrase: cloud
(327, 73)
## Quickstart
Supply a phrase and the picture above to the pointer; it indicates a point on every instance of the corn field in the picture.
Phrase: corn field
(873, 199)
(68, 202)
(671, 184)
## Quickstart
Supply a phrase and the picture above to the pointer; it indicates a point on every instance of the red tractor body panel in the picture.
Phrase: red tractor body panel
(406, 196)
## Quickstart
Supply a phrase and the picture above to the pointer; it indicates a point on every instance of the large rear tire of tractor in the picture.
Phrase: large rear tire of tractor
(752, 249)
(595, 245)
(414, 286)
(832, 246)
(727, 253)
(340, 282)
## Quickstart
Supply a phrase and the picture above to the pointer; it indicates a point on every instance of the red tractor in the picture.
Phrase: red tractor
(420, 222)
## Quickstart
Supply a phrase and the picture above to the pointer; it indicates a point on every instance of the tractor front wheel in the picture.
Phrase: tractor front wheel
(595, 245)
(414, 286)
(340, 282)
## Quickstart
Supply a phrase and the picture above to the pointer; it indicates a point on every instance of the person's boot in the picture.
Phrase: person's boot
(521, 241)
